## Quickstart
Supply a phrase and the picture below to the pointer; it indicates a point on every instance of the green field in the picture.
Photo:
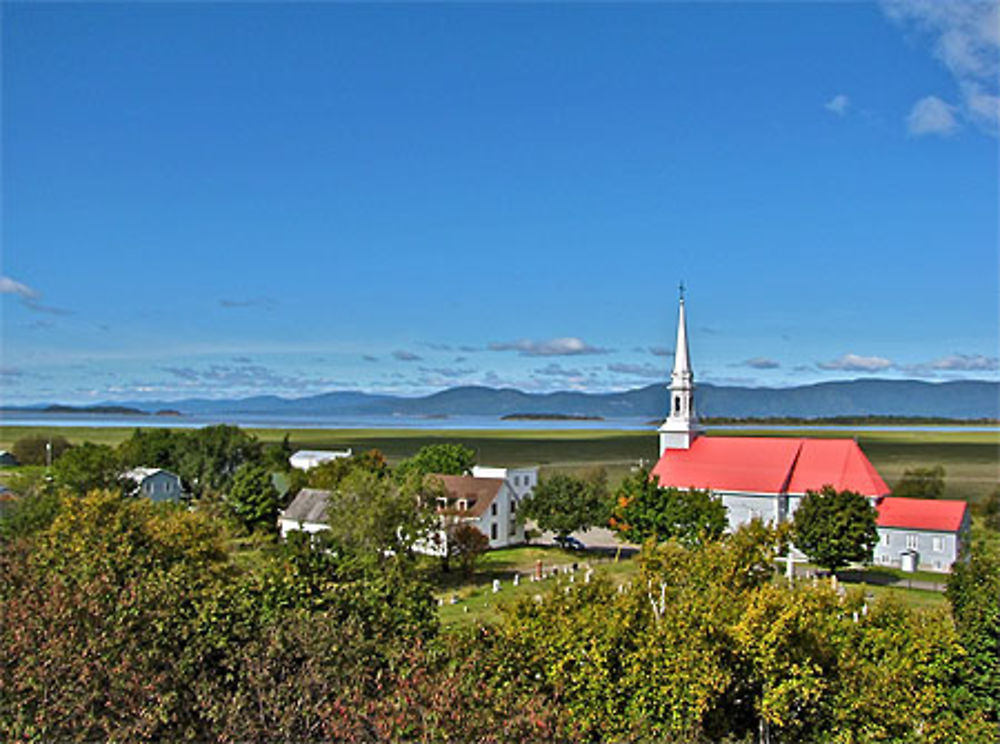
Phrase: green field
(971, 458)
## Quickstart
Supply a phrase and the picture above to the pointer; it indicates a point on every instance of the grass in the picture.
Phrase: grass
(915, 599)
(476, 602)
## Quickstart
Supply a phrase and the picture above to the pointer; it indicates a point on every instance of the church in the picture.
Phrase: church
(767, 477)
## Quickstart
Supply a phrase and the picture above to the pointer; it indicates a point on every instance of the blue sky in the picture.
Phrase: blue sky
(224, 200)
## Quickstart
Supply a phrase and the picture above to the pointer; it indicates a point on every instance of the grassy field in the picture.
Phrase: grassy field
(971, 458)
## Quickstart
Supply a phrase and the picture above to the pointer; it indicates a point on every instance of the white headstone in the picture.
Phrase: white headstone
(496, 585)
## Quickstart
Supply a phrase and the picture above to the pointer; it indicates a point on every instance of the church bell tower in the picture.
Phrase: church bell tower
(681, 426)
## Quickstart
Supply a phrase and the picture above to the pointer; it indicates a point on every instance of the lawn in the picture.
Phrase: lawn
(475, 601)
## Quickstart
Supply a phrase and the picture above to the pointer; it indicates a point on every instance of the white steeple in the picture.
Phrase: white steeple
(681, 425)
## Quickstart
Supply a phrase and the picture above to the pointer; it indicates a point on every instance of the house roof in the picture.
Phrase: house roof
(479, 493)
(140, 474)
(309, 505)
(921, 514)
(770, 465)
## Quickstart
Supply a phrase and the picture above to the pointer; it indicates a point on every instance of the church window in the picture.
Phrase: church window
(493, 531)
(677, 404)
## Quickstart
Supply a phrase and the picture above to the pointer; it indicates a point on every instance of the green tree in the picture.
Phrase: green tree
(253, 499)
(644, 510)
(921, 483)
(564, 503)
(208, 458)
(32, 450)
(88, 467)
(991, 510)
(443, 459)
(834, 527)
(328, 475)
(466, 543)
(974, 593)
(152, 448)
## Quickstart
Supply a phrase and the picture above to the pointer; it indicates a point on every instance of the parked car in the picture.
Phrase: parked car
(568, 542)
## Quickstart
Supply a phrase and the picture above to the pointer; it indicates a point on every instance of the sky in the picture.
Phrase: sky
(222, 200)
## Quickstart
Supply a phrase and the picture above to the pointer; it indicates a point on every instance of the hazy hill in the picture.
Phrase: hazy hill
(959, 399)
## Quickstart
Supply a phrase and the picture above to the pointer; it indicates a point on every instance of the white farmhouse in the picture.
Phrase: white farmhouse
(488, 504)
(306, 513)
(307, 459)
(154, 483)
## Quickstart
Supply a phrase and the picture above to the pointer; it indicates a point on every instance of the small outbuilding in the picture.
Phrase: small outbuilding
(7, 459)
(306, 513)
(924, 534)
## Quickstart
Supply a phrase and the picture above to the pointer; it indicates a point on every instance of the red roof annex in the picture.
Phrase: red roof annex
(770, 465)
(921, 514)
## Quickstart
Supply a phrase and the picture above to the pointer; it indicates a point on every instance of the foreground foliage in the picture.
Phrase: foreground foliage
(125, 620)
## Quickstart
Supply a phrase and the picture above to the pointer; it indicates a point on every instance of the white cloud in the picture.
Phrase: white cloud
(965, 37)
(838, 104)
(10, 286)
(931, 115)
(557, 370)
(955, 363)
(856, 363)
(566, 346)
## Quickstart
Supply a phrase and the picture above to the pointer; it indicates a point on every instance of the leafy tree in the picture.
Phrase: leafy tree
(278, 456)
(974, 593)
(328, 475)
(921, 483)
(253, 499)
(467, 544)
(646, 511)
(35, 508)
(208, 458)
(564, 503)
(88, 467)
(33, 450)
(991, 510)
(152, 448)
(834, 527)
(373, 516)
(443, 459)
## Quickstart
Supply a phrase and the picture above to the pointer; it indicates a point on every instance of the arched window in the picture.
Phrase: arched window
(677, 404)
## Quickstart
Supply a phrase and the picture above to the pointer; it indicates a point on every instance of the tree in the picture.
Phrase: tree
(328, 475)
(644, 510)
(88, 467)
(564, 503)
(152, 448)
(991, 510)
(207, 459)
(33, 450)
(466, 543)
(253, 499)
(921, 483)
(974, 593)
(443, 459)
(834, 527)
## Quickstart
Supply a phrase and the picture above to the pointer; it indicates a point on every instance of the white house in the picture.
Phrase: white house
(488, 504)
(306, 459)
(766, 477)
(155, 483)
(521, 481)
(307, 512)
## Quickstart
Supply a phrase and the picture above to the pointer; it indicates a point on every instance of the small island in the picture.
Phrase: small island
(550, 417)
(168, 412)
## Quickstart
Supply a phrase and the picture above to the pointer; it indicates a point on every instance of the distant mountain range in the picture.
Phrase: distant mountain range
(958, 399)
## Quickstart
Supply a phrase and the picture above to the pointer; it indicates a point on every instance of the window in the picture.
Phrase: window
(513, 506)
(677, 404)
(884, 539)
(937, 544)
(912, 541)
(493, 508)
(493, 531)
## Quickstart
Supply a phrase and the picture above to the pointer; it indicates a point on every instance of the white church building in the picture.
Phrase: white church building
(766, 477)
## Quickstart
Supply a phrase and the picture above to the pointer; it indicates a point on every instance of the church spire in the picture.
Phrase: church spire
(681, 425)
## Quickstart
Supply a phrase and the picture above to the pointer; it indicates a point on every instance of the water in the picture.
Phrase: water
(284, 421)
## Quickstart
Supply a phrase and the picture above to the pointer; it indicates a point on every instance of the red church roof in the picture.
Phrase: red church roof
(770, 465)
(921, 514)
